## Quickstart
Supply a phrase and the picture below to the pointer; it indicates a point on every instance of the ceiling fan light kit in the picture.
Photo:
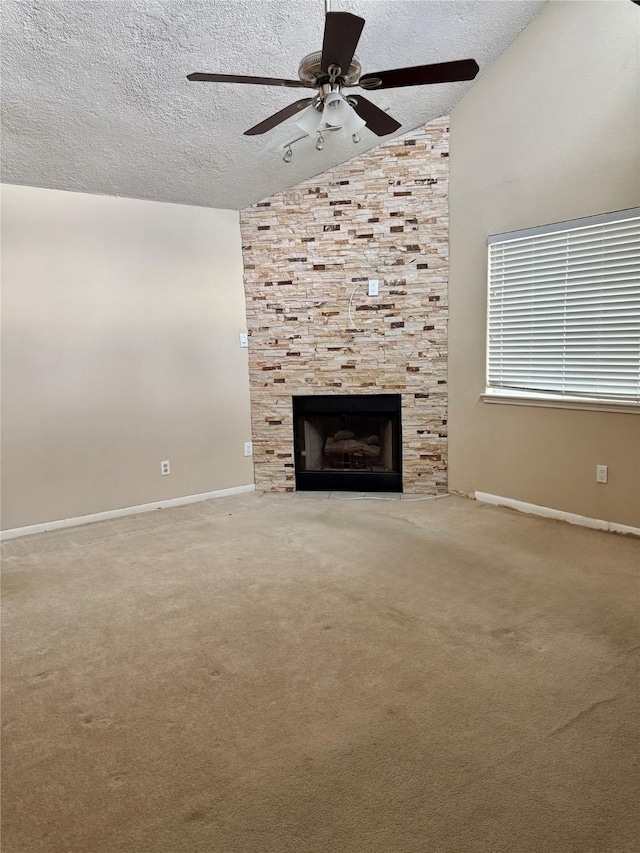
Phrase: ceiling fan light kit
(334, 68)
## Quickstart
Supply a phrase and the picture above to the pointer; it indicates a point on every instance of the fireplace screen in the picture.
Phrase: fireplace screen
(348, 443)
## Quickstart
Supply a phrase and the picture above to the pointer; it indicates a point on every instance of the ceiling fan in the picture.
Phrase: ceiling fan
(336, 67)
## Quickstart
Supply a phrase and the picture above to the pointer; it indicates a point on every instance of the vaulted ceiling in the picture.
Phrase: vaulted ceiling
(95, 95)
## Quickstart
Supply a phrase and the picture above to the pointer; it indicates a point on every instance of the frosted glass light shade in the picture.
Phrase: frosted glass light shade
(331, 111)
(352, 122)
(310, 120)
(338, 113)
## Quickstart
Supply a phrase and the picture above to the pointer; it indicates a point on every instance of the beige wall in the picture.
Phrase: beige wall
(120, 323)
(549, 133)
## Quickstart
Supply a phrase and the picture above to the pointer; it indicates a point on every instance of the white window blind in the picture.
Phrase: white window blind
(564, 311)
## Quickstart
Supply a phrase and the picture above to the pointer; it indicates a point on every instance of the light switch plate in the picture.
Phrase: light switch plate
(244, 340)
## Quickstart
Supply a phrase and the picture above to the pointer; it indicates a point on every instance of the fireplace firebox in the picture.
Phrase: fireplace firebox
(348, 443)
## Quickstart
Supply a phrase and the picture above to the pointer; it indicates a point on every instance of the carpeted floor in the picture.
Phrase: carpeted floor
(277, 673)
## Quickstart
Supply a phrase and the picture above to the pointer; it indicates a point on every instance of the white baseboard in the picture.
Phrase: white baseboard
(624, 528)
(548, 512)
(119, 513)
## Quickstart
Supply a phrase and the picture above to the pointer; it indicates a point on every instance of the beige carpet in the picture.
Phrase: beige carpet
(290, 673)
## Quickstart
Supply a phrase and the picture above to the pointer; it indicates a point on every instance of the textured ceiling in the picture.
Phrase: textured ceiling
(95, 96)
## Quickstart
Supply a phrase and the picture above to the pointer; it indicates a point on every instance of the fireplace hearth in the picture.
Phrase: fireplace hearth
(348, 443)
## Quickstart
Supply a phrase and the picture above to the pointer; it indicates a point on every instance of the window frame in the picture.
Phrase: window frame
(521, 397)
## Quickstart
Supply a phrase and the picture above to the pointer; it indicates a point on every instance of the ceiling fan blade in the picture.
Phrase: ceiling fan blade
(278, 117)
(239, 78)
(418, 75)
(341, 35)
(377, 120)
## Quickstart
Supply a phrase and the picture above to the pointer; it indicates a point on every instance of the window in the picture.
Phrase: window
(564, 312)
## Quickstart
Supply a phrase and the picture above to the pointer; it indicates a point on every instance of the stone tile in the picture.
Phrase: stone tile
(346, 496)
(312, 495)
(383, 496)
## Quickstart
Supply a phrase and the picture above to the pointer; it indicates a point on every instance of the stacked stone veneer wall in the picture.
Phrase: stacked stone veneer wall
(383, 215)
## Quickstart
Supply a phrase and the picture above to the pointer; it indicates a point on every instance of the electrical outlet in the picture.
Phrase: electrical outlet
(165, 468)
(244, 340)
(602, 473)
(248, 448)
(373, 286)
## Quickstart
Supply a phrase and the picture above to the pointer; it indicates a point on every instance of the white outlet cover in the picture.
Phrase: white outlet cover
(374, 287)
(248, 448)
(602, 473)
(165, 467)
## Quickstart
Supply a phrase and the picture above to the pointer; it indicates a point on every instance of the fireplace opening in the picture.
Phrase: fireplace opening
(348, 443)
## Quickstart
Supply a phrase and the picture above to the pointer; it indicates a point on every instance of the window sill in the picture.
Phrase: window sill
(548, 402)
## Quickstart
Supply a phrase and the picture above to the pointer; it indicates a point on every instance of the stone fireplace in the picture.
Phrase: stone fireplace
(309, 254)
(348, 443)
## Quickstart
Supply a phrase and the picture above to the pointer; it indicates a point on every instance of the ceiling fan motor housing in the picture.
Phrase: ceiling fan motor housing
(310, 70)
